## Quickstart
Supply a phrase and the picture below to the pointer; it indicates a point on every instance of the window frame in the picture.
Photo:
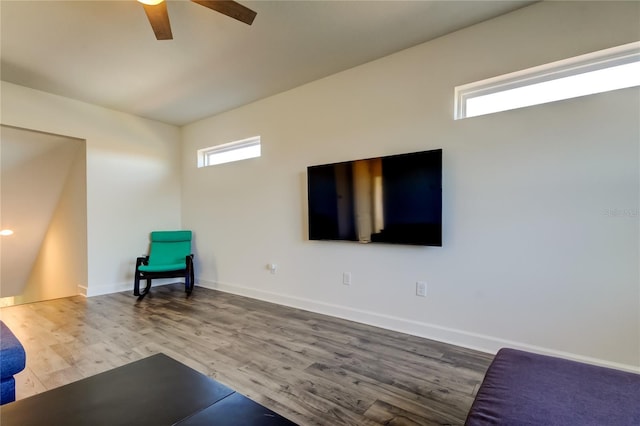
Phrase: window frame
(582, 64)
(205, 155)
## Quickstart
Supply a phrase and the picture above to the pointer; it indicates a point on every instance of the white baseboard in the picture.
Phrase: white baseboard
(107, 289)
(117, 288)
(83, 290)
(480, 342)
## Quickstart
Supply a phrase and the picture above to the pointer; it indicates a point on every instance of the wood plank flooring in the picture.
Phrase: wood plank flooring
(310, 368)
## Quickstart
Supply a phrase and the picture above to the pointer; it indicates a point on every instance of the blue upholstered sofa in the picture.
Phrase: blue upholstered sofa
(12, 361)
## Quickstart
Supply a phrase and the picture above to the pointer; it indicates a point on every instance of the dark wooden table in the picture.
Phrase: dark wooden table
(154, 391)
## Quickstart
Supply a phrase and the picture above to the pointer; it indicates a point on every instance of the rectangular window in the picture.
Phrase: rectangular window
(597, 72)
(228, 152)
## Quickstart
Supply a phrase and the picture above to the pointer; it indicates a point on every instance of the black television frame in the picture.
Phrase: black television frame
(394, 199)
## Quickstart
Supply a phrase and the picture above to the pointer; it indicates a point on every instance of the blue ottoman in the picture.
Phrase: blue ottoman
(12, 361)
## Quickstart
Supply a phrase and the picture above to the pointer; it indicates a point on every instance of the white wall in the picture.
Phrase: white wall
(61, 265)
(132, 172)
(531, 257)
(35, 170)
(44, 201)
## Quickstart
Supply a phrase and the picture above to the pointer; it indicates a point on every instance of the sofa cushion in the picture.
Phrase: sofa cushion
(12, 355)
(523, 388)
(7, 390)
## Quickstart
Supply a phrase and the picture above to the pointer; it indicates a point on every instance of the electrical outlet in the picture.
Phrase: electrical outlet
(421, 289)
(346, 278)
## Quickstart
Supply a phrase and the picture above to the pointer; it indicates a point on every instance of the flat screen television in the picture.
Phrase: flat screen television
(393, 199)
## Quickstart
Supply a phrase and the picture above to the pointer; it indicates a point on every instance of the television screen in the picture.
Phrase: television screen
(393, 199)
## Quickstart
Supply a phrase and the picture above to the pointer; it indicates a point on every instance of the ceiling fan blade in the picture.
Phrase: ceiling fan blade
(230, 8)
(159, 20)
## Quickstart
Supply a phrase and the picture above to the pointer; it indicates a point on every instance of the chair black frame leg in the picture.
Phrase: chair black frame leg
(136, 281)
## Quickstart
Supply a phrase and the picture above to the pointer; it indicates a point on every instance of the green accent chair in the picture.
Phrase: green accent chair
(169, 257)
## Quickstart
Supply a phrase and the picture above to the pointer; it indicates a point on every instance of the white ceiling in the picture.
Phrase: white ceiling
(105, 53)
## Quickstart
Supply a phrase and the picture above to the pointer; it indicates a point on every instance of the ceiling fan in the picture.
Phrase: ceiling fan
(156, 11)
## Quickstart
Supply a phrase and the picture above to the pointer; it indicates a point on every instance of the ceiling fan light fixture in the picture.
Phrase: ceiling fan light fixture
(151, 2)
(156, 11)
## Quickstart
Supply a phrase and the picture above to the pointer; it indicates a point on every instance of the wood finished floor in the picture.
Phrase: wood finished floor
(310, 368)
